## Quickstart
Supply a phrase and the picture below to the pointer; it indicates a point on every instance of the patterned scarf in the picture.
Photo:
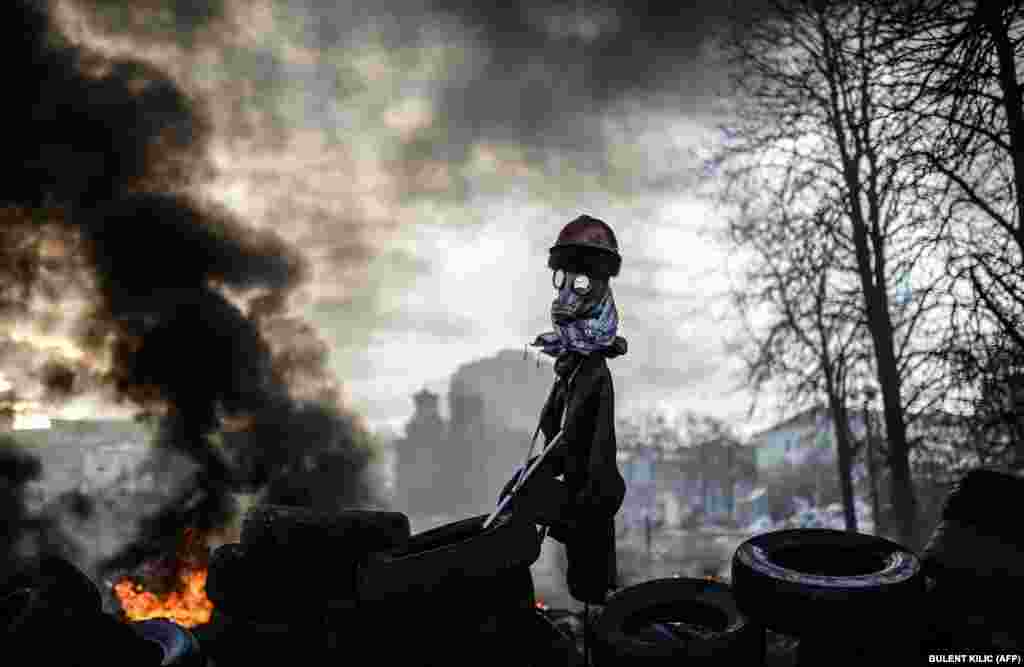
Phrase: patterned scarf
(583, 336)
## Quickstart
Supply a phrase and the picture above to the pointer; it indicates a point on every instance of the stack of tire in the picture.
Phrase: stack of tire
(975, 561)
(52, 614)
(849, 598)
(291, 581)
(675, 621)
(330, 586)
(457, 594)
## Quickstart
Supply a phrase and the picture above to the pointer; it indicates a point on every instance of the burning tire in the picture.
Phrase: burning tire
(314, 535)
(669, 621)
(812, 581)
(450, 556)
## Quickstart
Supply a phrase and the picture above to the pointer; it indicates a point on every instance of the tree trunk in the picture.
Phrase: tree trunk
(870, 252)
(872, 466)
(901, 485)
(844, 458)
(871, 269)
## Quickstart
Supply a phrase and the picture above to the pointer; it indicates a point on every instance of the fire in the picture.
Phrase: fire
(185, 602)
(188, 607)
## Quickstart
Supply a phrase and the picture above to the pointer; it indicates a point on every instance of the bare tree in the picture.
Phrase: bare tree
(810, 338)
(962, 58)
(812, 116)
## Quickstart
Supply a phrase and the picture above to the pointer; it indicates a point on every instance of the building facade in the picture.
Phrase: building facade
(808, 437)
(703, 483)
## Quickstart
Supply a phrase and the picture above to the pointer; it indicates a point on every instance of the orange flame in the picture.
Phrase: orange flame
(186, 603)
(188, 607)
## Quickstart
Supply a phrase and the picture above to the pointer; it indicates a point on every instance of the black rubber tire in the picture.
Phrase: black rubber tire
(456, 556)
(552, 645)
(973, 541)
(53, 596)
(974, 549)
(319, 537)
(463, 622)
(974, 496)
(729, 637)
(816, 580)
(252, 584)
(59, 580)
(13, 607)
(235, 641)
(49, 636)
(180, 647)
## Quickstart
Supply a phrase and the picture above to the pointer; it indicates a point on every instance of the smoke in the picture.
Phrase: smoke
(555, 83)
(552, 71)
(26, 534)
(186, 305)
(357, 130)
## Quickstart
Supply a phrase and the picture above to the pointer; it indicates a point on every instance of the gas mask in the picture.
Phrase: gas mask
(578, 297)
(583, 260)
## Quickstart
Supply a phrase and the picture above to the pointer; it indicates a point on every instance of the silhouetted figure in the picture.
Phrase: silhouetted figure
(582, 404)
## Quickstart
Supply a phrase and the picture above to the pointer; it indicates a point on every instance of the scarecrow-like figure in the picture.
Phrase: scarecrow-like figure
(581, 404)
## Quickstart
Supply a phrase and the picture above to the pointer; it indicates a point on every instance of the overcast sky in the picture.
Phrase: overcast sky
(425, 154)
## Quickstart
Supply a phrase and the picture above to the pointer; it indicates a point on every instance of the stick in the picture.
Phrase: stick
(533, 440)
(586, 634)
(522, 478)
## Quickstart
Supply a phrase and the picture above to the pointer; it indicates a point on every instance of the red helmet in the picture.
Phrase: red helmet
(588, 246)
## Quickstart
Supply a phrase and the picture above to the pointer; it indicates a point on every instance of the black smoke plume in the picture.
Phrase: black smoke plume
(105, 154)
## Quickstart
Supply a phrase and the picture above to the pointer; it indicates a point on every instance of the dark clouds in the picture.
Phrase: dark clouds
(551, 69)
(542, 75)
(548, 76)
(541, 107)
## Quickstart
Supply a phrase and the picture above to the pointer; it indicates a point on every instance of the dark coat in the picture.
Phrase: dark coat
(586, 456)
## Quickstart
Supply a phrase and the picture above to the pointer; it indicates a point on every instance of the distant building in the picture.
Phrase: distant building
(418, 456)
(458, 466)
(426, 423)
(804, 438)
(707, 480)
